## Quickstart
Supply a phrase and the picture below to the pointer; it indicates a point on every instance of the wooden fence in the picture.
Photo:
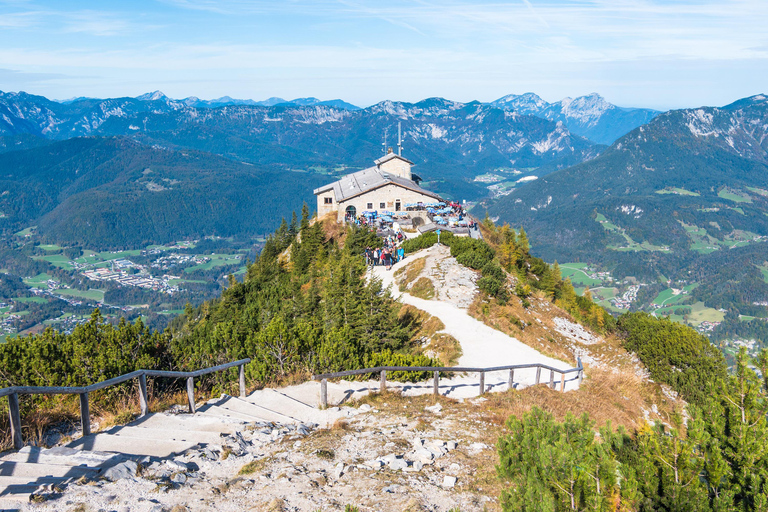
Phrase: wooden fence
(382, 370)
(13, 393)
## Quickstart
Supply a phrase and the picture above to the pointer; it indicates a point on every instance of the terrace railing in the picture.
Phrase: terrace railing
(13, 393)
(382, 370)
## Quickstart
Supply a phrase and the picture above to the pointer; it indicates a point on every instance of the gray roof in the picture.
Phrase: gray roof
(369, 179)
(390, 156)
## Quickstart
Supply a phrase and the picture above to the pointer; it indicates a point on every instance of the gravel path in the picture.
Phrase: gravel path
(482, 346)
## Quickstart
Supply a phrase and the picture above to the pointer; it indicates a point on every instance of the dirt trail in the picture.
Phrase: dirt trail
(482, 346)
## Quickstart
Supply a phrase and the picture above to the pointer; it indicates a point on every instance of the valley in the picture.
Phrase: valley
(54, 286)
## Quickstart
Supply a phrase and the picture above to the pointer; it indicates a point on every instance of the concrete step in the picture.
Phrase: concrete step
(29, 469)
(13, 497)
(292, 407)
(167, 434)
(10, 482)
(240, 406)
(284, 400)
(131, 445)
(214, 411)
(190, 422)
(15, 491)
(62, 455)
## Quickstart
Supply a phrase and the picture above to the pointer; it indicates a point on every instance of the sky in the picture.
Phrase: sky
(635, 53)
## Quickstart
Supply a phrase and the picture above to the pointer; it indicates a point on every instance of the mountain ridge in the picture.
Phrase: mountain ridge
(590, 116)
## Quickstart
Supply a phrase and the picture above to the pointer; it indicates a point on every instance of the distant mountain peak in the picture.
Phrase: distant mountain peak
(152, 96)
(590, 116)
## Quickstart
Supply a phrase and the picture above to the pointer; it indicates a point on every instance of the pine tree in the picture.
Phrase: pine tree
(522, 241)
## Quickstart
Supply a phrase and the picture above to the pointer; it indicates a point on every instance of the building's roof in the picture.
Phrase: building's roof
(360, 182)
(391, 156)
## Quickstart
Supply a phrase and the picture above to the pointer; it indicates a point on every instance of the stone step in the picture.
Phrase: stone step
(9, 483)
(29, 469)
(16, 490)
(15, 496)
(293, 407)
(239, 408)
(167, 434)
(131, 445)
(61, 455)
(189, 422)
(214, 411)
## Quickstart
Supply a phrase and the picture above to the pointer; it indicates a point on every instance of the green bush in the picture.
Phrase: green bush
(427, 240)
(470, 252)
(389, 358)
(494, 281)
(674, 353)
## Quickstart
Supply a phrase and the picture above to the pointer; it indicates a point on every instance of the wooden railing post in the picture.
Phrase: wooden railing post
(538, 375)
(562, 382)
(482, 382)
(383, 381)
(242, 380)
(324, 392)
(85, 414)
(511, 382)
(435, 383)
(551, 379)
(581, 369)
(191, 394)
(15, 417)
(143, 401)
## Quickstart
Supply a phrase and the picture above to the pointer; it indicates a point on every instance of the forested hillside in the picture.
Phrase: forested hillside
(304, 307)
(114, 193)
(684, 198)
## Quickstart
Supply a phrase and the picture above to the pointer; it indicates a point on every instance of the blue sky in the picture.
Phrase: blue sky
(659, 54)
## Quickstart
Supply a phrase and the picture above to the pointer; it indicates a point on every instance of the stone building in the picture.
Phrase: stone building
(387, 186)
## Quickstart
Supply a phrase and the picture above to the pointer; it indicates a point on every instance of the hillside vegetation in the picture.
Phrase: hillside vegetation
(316, 313)
(681, 197)
(113, 193)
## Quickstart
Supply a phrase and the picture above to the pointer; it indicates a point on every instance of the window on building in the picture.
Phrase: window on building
(382, 206)
(370, 206)
(328, 200)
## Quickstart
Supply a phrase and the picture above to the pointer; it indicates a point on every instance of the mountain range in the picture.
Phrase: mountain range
(664, 199)
(452, 142)
(590, 116)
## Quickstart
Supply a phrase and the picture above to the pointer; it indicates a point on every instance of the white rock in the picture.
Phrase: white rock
(449, 481)
(477, 447)
(435, 409)
(374, 464)
(423, 455)
(364, 408)
(179, 478)
(120, 471)
(451, 445)
(398, 464)
(389, 458)
(338, 470)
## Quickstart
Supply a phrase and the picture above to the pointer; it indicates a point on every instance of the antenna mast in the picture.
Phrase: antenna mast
(399, 140)
(384, 143)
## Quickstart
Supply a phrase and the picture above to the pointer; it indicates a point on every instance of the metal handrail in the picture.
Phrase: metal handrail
(13, 393)
(323, 377)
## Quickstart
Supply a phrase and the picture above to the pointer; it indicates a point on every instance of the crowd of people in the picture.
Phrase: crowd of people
(389, 254)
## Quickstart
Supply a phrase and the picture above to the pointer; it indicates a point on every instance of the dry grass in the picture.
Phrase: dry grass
(423, 288)
(256, 466)
(444, 347)
(509, 319)
(408, 274)
(622, 398)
